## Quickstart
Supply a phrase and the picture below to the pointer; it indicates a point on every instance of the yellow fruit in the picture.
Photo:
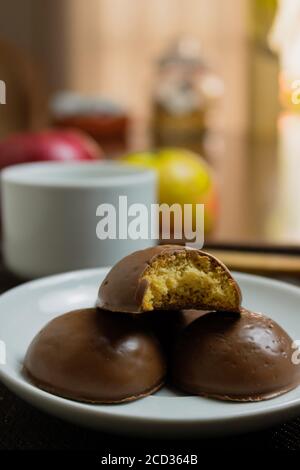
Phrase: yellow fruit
(183, 178)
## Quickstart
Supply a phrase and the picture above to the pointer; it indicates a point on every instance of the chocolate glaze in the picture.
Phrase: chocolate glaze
(123, 289)
(244, 357)
(186, 317)
(168, 324)
(93, 356)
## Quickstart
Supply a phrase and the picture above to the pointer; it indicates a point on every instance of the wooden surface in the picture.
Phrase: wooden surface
(260, 263)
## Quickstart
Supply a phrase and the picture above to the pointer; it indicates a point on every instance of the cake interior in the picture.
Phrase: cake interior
(188, 280)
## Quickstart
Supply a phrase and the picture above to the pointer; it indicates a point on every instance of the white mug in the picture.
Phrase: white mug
(49, 214)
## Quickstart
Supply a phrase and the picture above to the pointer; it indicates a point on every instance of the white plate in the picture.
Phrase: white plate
(26, 309)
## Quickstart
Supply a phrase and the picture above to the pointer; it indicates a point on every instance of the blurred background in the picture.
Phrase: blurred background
(216, 78)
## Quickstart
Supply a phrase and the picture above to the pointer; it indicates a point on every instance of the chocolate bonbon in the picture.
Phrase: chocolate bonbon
(246, 357)
(93, 356)
(169, 277)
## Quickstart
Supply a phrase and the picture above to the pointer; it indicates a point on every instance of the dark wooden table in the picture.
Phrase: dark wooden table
(25, 428)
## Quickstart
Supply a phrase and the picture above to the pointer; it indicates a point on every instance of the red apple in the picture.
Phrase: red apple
(52, 144)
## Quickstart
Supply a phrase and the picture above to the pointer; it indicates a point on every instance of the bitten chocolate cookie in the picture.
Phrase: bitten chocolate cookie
(169, 277)
(90, 355)
(246, 357)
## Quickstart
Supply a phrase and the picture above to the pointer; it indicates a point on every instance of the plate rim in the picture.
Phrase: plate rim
(21, 387)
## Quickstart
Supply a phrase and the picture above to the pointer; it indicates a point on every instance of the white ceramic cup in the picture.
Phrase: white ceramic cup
(49, 214)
